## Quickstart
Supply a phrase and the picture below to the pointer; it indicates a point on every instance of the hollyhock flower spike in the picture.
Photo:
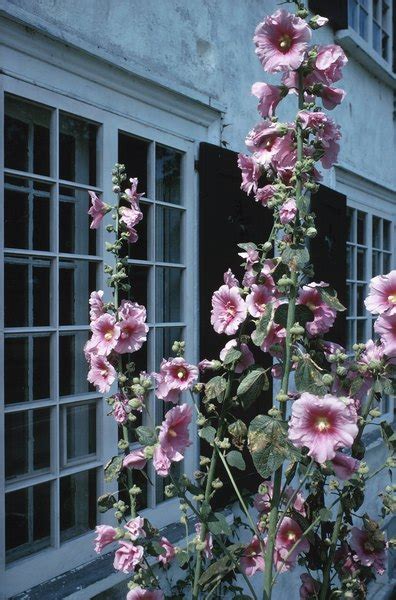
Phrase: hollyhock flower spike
(281, 41)
(382, 294)
(97, 210)
(323, 425)
(228, 310)
(138, 593)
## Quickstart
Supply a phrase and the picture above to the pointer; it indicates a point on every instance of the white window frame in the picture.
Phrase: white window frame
(151, 113)
(371, 20)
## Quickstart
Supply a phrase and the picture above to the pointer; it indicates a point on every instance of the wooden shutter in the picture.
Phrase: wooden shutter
(226, 217)
(328, 249)
(335, 10)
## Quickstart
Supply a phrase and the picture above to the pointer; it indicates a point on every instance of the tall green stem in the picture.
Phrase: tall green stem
(291, 313)
(330, 557)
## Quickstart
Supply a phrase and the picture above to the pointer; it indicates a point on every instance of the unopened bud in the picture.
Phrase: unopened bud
(267, 246)
(204, 460)
(297, 329)
(217, 484)
(281, 397)
(118, 514)
(274, 412)
(327, 379)
(341, 371)
(170, 490)
(135, 490)
(148, 452)
(123, 445)
(311, 232)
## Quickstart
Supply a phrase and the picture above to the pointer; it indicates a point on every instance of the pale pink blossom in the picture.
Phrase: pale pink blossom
(230, 279)
(331, 97)
(228, 310)
(132, 195)
(132, 310)
(135, 459)
(385, 325)
(138, 593)
(252, 559)
(324, 316)
(326, 131)
(372, 355)
(289, 533)
(176, 375)
(106, 332)
(90, 349)
(251, 256)
(121, 408)
(161, 462)
(261, 140)
(318, 21)
(323, 425)
(298, 502)
(382, 294)
(269, 97)
(329, 63)
(262, 500)
(367, 553)
(250, 173)
(104, 535)
(96, 304)
(173, 432)
(281, 41)
(205, 364)
(276, 335)
(207, 551)
(169, 553)
(264, 194)
(133, 334)
(258, 299)
(288, 211)
(310, 587)
(97, 210)
(127, 557)
(344, 466)
(344, 559)
(246, 360)
(101, 374)
(135, 528)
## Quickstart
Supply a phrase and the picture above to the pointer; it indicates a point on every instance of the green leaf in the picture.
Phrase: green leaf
(308, 378)
(157, 548)
(355, 386)
(247, 245)
(388, 435)
(207, 433)
(329, 295)
(182, 557)
(263, 325)
(269, 445)
(215, 387)
(303, 314)
(232, 356)
(113, 467)
(235, 459)
(302, 205)
(105, 502)
(252, 385)
(296, 256)
(218, 525)
(219, 569)
(325, 514)
(146, 436)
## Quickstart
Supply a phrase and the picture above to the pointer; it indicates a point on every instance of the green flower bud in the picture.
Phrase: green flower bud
(123, 445)
(170, 490)
(281, 397)
(204, 460)
(341, 371)
(217, 484)
(311, 232)
(267, 246)
(327, 379)
(148, 452)
(297, 329)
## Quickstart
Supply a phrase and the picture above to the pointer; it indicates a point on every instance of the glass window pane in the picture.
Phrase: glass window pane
(77, 279)
(361, 331)
(350, 298)
(351, 224)
(168, 291)
(140, 249)
(138, 278)
(377, 232)
(377, 267)
(27, 442)
(376, 37)
(80, 423)
(24, 356)
(28, 514)
(27, 292)
(351, 336)
(377, 9)
(351, 262)
(77, 149)
(168, 234)
(352, 13)
(386, 258)
(75, 234)
(360, 296)
(26, 136)
(132, 152)
(385, 43)
(361, 227)
(387, 234)
(168, 175)
(361, 264)
(363, 23)
(73, 368)
(78, 506)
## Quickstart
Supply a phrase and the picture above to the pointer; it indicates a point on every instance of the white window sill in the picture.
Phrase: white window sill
(360, 49)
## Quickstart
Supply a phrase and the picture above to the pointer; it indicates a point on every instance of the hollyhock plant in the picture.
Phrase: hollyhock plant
(133, 334)
(382, 294)
(105, 535)
(323, 425)
(281, 41)
(288, 534)
(252, 559)
(128, 557)
(228, 310)
(138, 593)
(169, 553)
(97, 210)
(246, 360)
(106, 332)
(269, 97)
(329, 63)
(102, 374)
(175, 376)
(135, 529)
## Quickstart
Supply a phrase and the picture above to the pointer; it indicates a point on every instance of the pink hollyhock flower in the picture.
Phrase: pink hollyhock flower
(250, 173)
(246, 359)
(323, 425)
(252, 559)
(262, 500)
(175, 376)
(276, 335)
(258, 299)
(284, 156)
(127, 557)
(310, 587)
(318, 21)
(205, 364)
(326, 131)
(135, 459)
(344, 466)
(132, 196)
(324, 316)
(276, 371)
(382, 295)
(261, 139)
(101, 374)
(385, 325)
(96, 304)
(161, 462)
(289, 533)
(131, 310)
(138, 593)
(90, 349)
(135, 528)
(367, 552)
(228, 310)
(344, 556)
(104, 535)
(121, 408)
(169, 553)
(329, 63)
(106, 332)
(173, 432)
(207, 551)
(281, 41)
(264, 194)
(230, 279)
(133, 334)
(269, 97)
(288, 211)
(299, 500)
(372, 356)
(97, 210)
(251, 256)
(331, 97)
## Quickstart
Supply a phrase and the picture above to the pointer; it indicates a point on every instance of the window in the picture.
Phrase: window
(372, 20)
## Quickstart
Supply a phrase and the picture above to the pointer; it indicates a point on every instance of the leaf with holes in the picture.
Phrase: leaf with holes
(269, 445)
(146, 436)
(215, 387)
(207, 433)
(113, 467)
(251, 386)
(105, 502)
(295, 256)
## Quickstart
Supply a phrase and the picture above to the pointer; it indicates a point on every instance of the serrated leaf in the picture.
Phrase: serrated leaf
(303, 314)
(215, 387)
(105, 502)
(251, 386)
(112, 468)
(146, 436)
(233, 355)
(296, 256)
(308, 379)
(330, 297)
(207, 433)
(263, 325)
(235, 459)
(269, 445)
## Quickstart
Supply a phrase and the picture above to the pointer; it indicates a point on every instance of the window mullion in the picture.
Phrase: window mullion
(2, 466)
(370, 24)
(369, 267)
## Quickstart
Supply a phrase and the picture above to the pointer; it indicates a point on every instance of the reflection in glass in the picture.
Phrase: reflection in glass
(168, 290)
(80, 430)
(168, 234)
(168, 175)
(27, 523)
(72, 365)
(376, 37)
(78, 506)
(25, 357)
(77, 149)
(75, 235)
(27, 441)
(77, 279)
(377, 267)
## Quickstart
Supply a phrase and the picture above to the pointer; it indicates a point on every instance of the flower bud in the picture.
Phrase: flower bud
(123, 444)
(297, 329)
(132, 418)
(135, 491)
(135, 403)
(375, 413)
(118, 514)
(327, 379)
(200, 546)
(148, 452)
(274, 412)
(198, 475)
(281, 397)
(267, 246)
(116, 189)
(217, 484)
(302, 13)
(204, 460)
(311, 232)
(170, 490)
(341, 371)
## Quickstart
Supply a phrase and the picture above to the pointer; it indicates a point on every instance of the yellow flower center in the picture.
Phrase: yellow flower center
(311, 306)
(322, 423)
(172, 433)
(285, 42)
(291, 536)
(108, 335)
(103, 372)
(392, 298)
(181, 373)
